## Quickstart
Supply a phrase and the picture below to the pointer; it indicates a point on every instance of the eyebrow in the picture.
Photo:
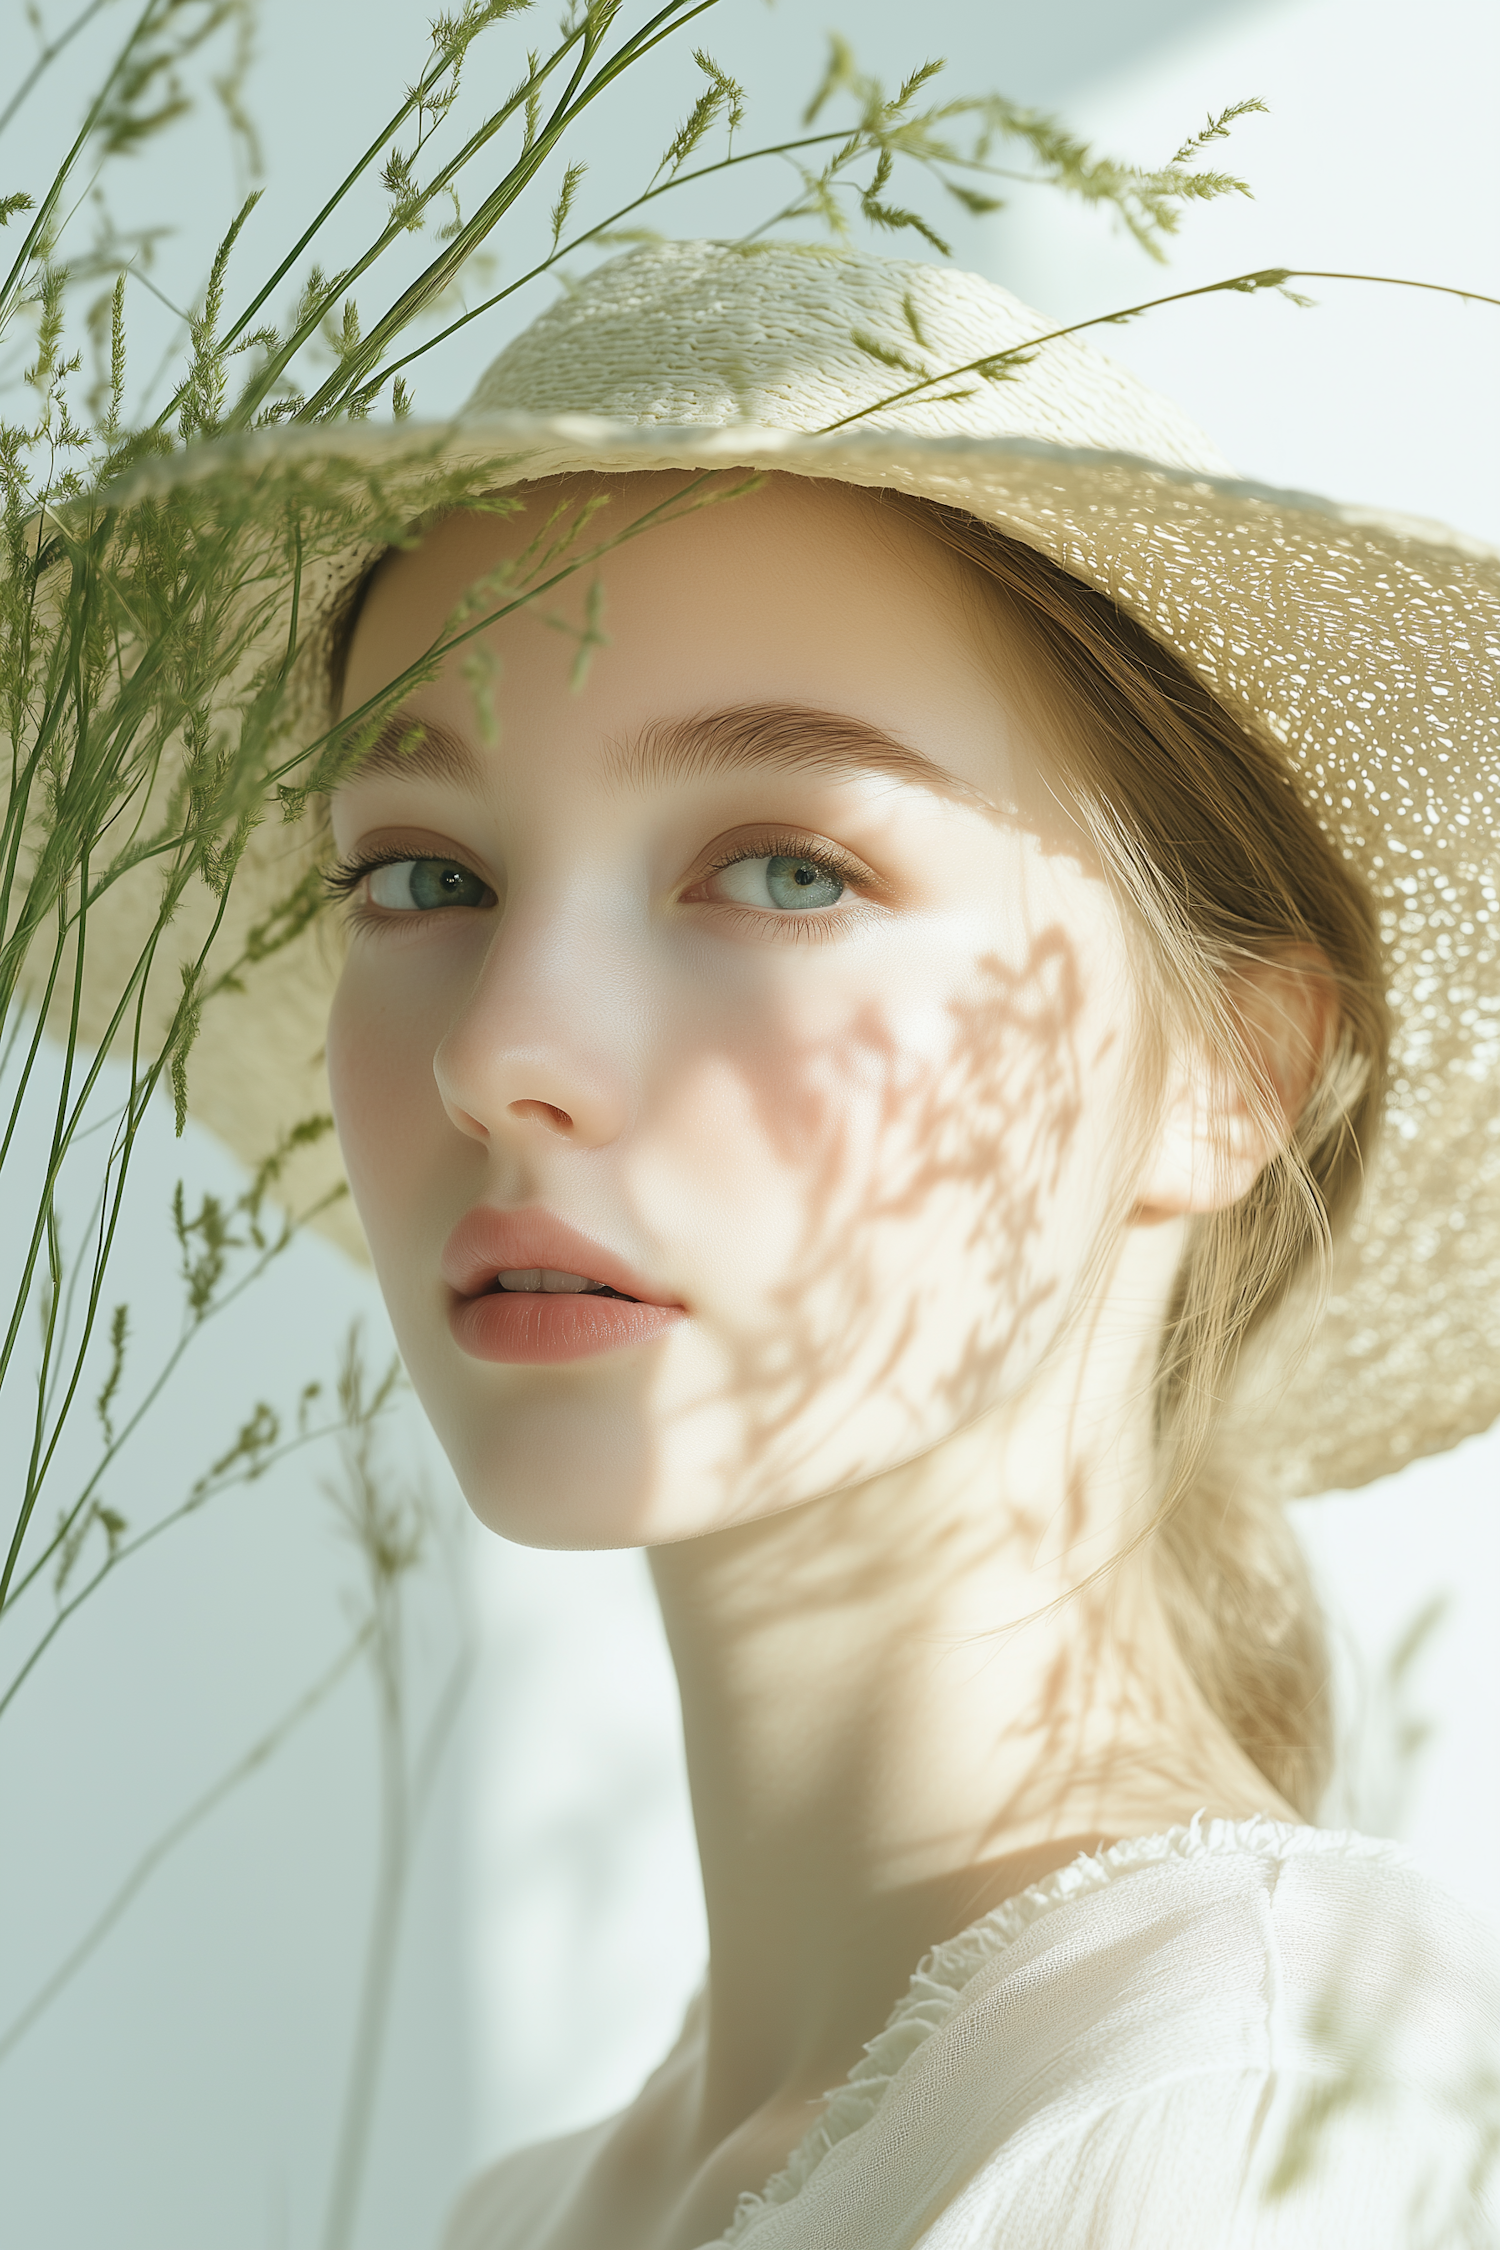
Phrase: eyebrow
(409, 749)
(787, 737)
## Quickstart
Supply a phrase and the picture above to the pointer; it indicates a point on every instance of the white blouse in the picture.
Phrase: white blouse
(1239, 2035)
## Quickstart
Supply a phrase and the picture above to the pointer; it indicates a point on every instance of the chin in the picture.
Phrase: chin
(585, 1478)
(540, 1456)
(565, 1457)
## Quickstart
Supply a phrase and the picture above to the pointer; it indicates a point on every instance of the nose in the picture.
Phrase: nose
(538, 1048)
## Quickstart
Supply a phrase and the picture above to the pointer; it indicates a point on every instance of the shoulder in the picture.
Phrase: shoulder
(1236, 2034)
(1245, 1941)
(1279, 1933)
(521, 2201)
(510, 2206)
(1255, 2033)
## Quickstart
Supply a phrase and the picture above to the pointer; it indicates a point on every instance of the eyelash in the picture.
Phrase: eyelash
(343, 879)
(341, 882)
(777, 843)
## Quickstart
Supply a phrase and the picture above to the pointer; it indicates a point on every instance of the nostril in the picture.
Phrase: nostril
(543, 1113)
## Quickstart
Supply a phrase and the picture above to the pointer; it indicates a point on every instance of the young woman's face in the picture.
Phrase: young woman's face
(756, 979)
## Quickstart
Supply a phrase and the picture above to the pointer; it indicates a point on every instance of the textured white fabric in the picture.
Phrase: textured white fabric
(1122, 2057)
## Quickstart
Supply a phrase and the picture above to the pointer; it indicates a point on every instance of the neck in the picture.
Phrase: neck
(904, 1702)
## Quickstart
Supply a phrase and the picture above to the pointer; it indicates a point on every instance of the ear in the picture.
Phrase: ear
(1217, 1134)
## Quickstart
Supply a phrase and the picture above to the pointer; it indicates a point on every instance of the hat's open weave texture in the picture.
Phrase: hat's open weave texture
(1367, 647)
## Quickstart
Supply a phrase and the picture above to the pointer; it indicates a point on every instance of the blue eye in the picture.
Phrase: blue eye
(779, 881)
(417, 885)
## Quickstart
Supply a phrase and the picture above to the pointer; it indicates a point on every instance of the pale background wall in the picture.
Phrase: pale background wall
(183, 2093)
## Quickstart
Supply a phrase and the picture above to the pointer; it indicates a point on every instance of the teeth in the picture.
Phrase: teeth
(544, 1281)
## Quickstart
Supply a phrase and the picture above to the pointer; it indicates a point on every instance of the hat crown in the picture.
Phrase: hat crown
(695, 334)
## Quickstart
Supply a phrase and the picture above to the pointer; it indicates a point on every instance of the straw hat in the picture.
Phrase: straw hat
(1366, 645)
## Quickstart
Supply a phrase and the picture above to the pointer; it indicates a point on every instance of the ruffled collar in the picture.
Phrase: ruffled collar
(939, 1983)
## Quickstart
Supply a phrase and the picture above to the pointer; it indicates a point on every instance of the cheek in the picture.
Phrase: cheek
(385, 1100)
(886, 1210)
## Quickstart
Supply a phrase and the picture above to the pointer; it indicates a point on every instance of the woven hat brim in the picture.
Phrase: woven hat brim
(1366, 646)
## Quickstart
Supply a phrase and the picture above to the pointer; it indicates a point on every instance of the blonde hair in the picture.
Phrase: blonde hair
(1219, 864)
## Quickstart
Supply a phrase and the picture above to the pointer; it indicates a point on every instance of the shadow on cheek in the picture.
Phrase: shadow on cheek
(936, 1180)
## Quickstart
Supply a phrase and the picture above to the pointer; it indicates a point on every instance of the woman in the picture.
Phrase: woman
(851, 1088)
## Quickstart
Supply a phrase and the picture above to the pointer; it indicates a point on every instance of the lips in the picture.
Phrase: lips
(520, 1325)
